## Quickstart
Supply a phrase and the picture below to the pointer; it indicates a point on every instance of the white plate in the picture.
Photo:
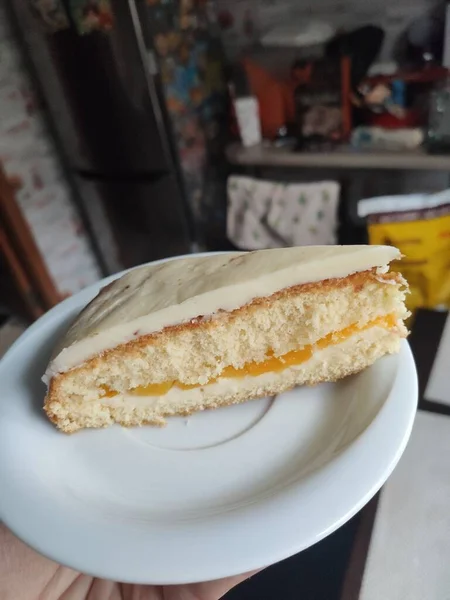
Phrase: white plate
(220, 493)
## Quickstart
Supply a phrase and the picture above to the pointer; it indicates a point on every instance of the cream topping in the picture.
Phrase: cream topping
(195, 395)
(150, 298)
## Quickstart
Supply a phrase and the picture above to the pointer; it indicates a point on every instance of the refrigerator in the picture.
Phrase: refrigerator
(137, 102)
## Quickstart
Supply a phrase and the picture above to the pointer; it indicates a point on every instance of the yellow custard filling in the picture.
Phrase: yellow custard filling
(271, 364)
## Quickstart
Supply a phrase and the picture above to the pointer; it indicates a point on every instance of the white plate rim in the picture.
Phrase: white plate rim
(397, 414)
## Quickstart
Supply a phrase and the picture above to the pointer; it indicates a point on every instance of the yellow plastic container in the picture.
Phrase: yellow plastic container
(419, 226)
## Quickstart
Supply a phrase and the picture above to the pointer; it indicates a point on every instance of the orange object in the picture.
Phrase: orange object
(275, 98)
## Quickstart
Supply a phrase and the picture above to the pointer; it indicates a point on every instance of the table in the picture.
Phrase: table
(333, 569)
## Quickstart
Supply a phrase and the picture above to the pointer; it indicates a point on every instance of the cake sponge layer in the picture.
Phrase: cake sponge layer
(329, 364)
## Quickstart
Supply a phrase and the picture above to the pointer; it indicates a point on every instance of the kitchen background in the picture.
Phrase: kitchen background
(130, 132)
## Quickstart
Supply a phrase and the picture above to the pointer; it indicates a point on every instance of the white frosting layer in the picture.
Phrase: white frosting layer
(152, 297)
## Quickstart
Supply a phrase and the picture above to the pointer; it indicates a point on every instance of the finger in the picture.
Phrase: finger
(213, 590)
(25, 574)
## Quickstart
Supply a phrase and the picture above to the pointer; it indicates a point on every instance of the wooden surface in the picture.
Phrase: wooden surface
(268, 156)
(20, 277)
(22, 256)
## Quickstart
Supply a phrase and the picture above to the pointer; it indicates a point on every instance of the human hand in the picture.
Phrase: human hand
(210, 590)
(26, 575)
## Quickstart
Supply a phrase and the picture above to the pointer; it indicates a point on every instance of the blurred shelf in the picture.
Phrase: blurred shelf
(343, 158)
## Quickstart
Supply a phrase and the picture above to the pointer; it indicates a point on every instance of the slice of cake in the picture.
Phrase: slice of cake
(208, 331)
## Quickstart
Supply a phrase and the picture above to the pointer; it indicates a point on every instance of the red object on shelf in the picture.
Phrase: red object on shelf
(427, 75)
(412, 118)
(345, 95)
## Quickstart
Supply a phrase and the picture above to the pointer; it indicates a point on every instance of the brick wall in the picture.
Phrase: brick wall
(29, 157)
